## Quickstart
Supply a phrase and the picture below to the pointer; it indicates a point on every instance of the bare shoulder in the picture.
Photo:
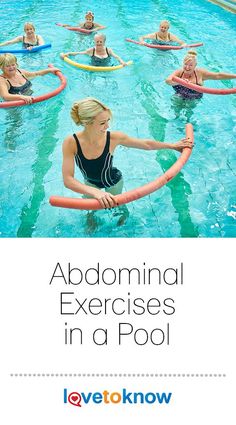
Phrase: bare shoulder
(69, 144)
(201, 71)
(3, 82)
(118, 137)
(177, 72)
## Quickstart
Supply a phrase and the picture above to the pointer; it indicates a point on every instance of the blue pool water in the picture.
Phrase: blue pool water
(201, 200)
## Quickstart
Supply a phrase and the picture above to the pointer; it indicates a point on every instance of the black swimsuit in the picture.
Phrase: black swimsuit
(85, 27)
(98, 171)
(185, 92)
(96, 61)
(25, 45)
(163, 42)
(24, 89)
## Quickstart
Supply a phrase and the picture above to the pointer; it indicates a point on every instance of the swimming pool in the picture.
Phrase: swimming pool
(200, 201)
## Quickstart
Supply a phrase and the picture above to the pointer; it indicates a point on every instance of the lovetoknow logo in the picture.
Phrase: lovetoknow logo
(124, 396)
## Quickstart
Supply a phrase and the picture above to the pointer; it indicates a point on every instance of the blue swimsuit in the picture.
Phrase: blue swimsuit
(187, 93)
(98, 171)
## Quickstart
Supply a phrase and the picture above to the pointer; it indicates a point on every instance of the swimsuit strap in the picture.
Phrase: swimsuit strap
(79, 150)
(22, 74)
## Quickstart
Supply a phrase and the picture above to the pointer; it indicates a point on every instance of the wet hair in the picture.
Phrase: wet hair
(165, 22)
(191, 55)
(84, 111)
(29, 24)
(7, 59)
(100, 35)
(89, 14)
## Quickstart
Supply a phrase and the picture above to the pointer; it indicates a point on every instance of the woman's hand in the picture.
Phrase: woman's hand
(106, 199)
(182, 144)
(27, 99)
(54, 70)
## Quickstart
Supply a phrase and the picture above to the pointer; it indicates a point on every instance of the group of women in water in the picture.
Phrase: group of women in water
(92, 148)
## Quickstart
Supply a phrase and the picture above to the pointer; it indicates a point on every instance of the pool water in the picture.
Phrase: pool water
(200, 201)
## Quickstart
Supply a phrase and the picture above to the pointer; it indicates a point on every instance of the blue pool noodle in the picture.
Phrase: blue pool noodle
(35, 49)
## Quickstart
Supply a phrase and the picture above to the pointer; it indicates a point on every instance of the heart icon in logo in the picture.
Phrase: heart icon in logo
(75, 399)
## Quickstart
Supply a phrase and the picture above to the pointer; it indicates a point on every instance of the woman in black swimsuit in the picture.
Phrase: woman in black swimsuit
(194, 75)
(89, 23)
(92, 150)
(163, 36)
(100, 54)
(29, 40)
(14, 83)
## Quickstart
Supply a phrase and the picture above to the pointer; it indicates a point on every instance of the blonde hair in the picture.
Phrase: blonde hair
(191, 55)
(29, 24)
(165, 22)
(7, 59)
(84, 111)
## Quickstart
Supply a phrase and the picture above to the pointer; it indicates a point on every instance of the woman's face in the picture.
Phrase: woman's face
(99, 41)
(189, 66)
(89, 21)
(164, 28)
(101, 122)
(29, 30)
(10, 69)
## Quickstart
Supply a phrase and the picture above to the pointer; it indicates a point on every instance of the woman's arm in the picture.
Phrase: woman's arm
(14, 40)
(150, 36)
(8, 96)
(169, 79)
(40, 40)
(207, 75)
(147, 144)
(85, 52)
(114, 55)
(68, 170)
(177, 40)
(40, 73)
(97, 27)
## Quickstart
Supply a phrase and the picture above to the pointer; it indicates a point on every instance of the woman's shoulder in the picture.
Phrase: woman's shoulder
(178, 72)
(200, 70)
(70, 142)
(117, 136)
(3, 80)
